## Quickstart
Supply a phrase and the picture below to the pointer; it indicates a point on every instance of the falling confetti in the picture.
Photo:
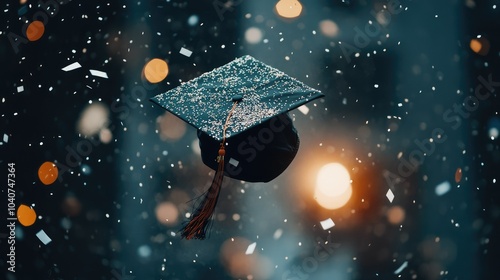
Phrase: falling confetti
(400, 269)
(185, 52)
(251, 248)
(304, 109)
(327, 224)
(390, 195)
(43, 237)
(98, 73)
(277, 234)
(20, 89)
(47, 173)
(6, 138)
(72, 66)
(26, 215)
(443, 188)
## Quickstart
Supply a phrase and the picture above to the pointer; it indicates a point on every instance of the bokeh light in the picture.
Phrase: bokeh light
(71, 206)
(480, 45)
(333, 202)
(48, 172)
(329, 28)
(243, 266)
(156, 70)
(396, 215)
(333, 179)
(333, 186)
(170, 127)
(35, 30)
(253, 35)
(458, 175)
(26, 215)
(289, 8)
(92, 119)
(105, 135)
(167, 213)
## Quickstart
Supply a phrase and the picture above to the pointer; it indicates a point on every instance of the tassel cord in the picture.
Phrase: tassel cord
(197, 227)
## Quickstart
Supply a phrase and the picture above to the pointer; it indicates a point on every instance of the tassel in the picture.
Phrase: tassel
(200, 221)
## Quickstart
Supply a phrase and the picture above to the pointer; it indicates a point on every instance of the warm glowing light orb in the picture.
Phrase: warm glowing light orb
(333, 202)
(167, 213)
(289, 8)
(333, 186)
(35, 30)
(480, 46)
(48, 172)
(396, 215)
(170, 127)
(156, 70)
(26, 215)
(333, 179)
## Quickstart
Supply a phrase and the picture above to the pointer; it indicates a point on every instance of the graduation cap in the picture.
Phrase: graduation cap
(240, 112)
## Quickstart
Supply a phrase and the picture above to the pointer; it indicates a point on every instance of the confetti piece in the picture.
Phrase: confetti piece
(277, 234)
(251, 248)
(233, 162)
(48, 172)
(26, 215)
(443, 188)
(390, 195)
(5, 138)
(98, 73)
(20, 89)
(185, 52)
(23, 10)
(43, 237)
(303, 109)
(72, 66)
(327, 224)
(403, 266)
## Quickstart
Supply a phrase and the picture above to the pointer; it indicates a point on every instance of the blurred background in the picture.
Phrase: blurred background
(395, 178)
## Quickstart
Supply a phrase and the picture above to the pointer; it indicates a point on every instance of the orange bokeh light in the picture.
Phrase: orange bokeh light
(333, 202)
(167, 213)
(480, 46)
(26, 215)
(458, 175)
(171, 127)
(333, 186)
(396, 215)
(48, 172)
(289, 8)
(35, 30)
(156, 70)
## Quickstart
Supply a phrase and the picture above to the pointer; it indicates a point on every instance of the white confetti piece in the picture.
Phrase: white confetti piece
(234, 162)
(303, 109)
(251, 248)
(20, 89)
(390, 195)
(43, 237)
(403, 266)
(277, 234)
(185, 52)
(443, 188)
(72, 66)
(5, 138)
(98, 73)
(327, 224)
